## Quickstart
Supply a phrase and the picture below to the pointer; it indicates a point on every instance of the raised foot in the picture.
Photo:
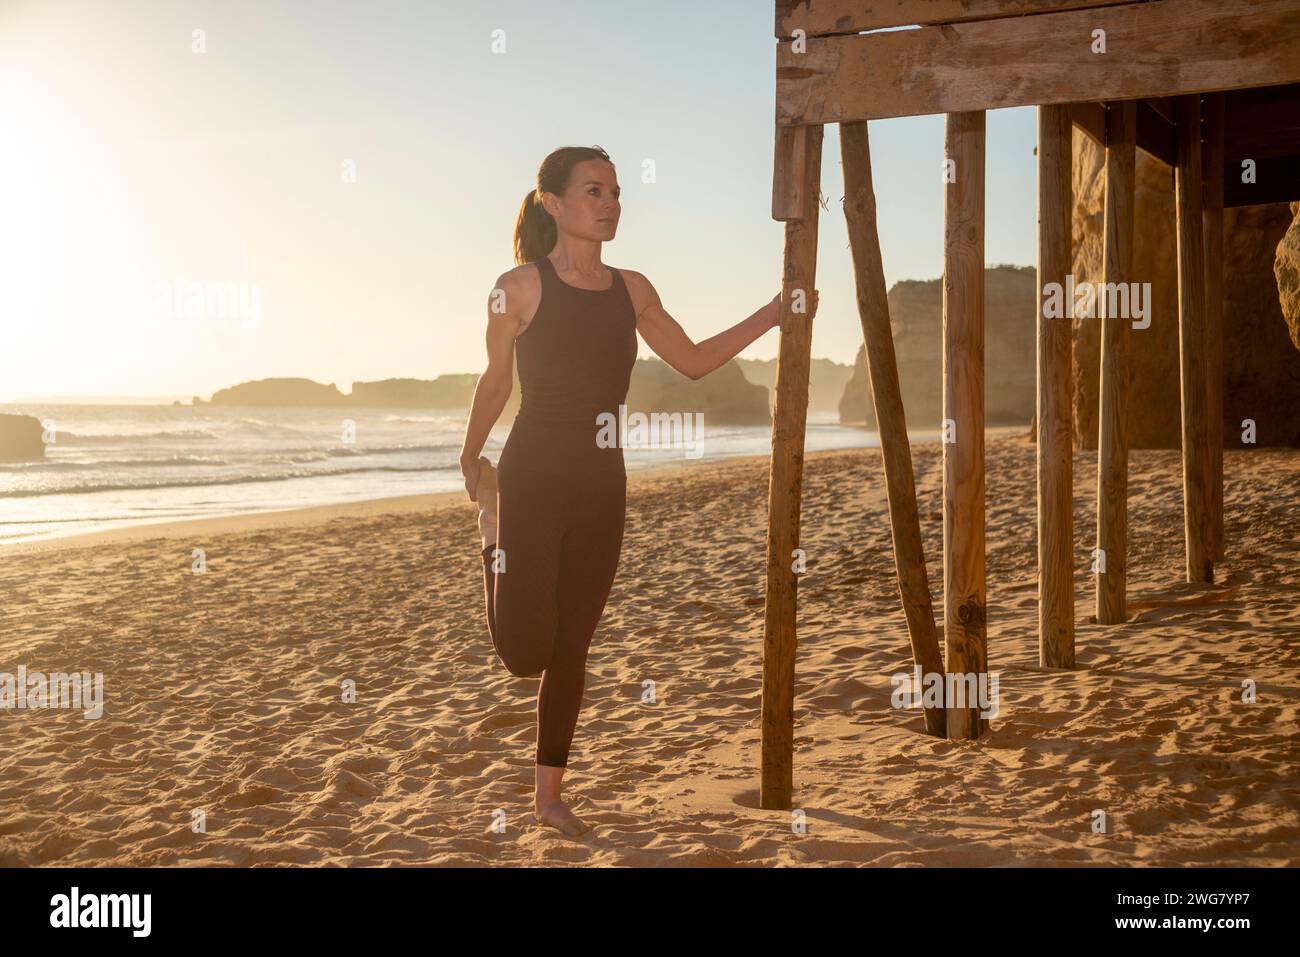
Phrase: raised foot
(561, 818)
(485, 494)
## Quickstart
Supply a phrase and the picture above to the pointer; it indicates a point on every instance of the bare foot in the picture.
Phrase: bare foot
(558, 816)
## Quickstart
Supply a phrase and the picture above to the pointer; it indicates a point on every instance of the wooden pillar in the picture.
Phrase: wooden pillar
(1212, 215)
(1111, 561)
(795, 198)
(1055, 385)
(964, 627)
(1191, 340)
(882, 372)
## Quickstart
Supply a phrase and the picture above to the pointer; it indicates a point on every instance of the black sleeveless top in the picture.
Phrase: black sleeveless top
(575, 361)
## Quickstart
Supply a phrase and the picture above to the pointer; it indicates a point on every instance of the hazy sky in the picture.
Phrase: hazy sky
(133, 164)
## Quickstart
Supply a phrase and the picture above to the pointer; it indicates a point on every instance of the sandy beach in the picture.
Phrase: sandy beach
(223, 690)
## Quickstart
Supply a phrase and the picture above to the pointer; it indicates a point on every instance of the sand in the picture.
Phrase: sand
(223, 689)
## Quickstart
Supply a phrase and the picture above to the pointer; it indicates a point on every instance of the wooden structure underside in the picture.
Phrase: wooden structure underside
(1210, 87)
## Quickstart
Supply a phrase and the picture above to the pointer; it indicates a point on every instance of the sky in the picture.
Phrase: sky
(338, 182)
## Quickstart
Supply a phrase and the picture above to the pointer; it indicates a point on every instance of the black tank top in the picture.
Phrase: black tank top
(575, 361)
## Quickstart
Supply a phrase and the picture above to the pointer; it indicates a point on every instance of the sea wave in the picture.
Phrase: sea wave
(100, 438)
(340, 451)
(46, 466)
(235, 480)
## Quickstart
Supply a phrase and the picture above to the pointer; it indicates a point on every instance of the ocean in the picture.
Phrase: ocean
(110, 466)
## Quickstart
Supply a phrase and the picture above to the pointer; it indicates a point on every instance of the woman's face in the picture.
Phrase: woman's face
(589, 208)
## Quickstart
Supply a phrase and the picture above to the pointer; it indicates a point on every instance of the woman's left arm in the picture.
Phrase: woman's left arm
(669, 340)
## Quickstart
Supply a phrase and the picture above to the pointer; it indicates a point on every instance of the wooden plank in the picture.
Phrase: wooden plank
(828, 17)
(1212, 236)
(1267, 108)
(1155, 136)
(1276, 181)
(1191, 339)
(1091, 118)
(1161, 48)
(789, 174)
(1163, 106)
(964, 625)
(1111, 576)
(882, 372)
(1267, 141)
(785, 489)
(1055, 387)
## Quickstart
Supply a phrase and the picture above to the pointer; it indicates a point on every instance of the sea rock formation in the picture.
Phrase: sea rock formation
(916, 319)
(280, 392)
(826, 380)
(724, 396)
(451, 391)
(20, 438)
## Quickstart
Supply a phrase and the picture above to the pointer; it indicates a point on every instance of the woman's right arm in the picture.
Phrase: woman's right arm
(492, 391)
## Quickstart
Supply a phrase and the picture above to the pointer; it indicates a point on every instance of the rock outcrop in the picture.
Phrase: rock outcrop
(826, 380)
(452, 391)
(725, 396)
(20, 438)
(916, 318)
(1261, 363)
(281, 392)
(1286, 268)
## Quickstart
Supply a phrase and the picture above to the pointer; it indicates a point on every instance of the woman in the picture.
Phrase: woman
(551, 515)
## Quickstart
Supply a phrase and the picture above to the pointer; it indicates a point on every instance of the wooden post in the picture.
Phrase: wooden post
(963, 411)
(785, 481)
(1055, 385)
(1191, 340)
(1212, 177)
(1112, 439)
(882, 372)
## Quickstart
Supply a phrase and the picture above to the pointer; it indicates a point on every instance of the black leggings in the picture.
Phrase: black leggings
(559, 538)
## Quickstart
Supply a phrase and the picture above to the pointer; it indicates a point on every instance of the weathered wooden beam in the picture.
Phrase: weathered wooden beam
(1155, 136)
(964, 619)
(828, 17)
(1266, 110)
(1212, 214)
(790, 174)
(1191, 340)
(1269, 141)
(1091, 118)
(1161, 48)
(1163, 107)
(1055, 385)
(1276, 180)
(891, 423)
(785, 488)
(1111, 562)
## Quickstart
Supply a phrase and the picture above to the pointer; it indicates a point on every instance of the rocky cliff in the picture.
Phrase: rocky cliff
(826, 380)
(724, 396)
(282, 392)
(1286, 268)
(916, 318)
(1261, 363)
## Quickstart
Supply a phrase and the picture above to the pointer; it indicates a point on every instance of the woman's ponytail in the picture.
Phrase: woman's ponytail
(535, 230)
